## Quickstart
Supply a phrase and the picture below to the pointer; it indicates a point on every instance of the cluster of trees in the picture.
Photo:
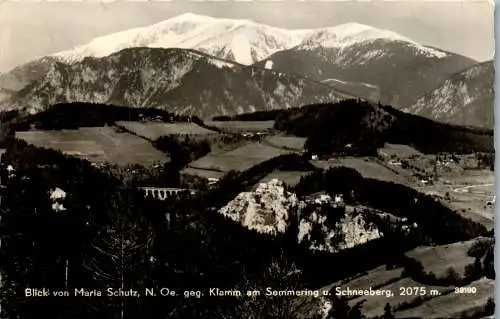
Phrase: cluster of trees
(269, 115)
(79, 114)
(415, 270)
(486, 160)
(332, 216)
(155, 176)
(182, 150)
(340, 309)
(482, 251)
(37, 241)
(489, 308)
(329, 127)
(6, 129)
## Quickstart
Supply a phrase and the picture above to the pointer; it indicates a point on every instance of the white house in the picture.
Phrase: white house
(57, 193)
(339, 199)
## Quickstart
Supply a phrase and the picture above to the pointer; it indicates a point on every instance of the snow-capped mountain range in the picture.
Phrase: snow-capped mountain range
(353, 58)
(348, 34)
(466, 98)
(242, 41)
(386, 61)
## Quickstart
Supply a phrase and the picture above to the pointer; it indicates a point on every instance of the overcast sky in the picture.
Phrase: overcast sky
(30, 29)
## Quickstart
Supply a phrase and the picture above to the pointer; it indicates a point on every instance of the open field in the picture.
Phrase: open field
(374, 305)
(154, 130)
(203, 173)
(437, 302)
(292, 143)
(438, 259)
(379, 276)
(453, 305)
(97, 144)
(374, 278)
(242, 126)
(398, 150)
(239, 159)
(225, 142)
(366, 166)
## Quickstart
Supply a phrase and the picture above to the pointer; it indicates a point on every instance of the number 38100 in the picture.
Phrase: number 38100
(465, 290)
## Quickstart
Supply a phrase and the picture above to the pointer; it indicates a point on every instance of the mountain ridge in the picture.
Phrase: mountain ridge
(177, 80)
(465, 98)
(352, 58)
(390, 67)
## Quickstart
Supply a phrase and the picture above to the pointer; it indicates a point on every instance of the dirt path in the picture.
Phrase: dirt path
(465, 188)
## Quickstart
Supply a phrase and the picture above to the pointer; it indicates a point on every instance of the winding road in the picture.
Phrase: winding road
(465, 188)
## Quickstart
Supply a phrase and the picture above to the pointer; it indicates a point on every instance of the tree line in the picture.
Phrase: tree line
(81, 114)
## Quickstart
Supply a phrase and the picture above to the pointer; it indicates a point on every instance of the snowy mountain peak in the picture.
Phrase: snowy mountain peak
(243, 41)
(191, 17)
(348, 34)
(352, 33)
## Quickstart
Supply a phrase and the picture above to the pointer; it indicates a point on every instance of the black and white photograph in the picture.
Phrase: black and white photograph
(290, 159)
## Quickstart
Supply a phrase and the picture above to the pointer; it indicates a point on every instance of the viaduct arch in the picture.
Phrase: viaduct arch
(162, 193)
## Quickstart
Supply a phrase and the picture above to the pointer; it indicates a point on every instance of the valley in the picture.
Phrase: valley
(275, 167)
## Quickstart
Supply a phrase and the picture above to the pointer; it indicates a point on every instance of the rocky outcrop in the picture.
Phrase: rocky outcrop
(323, 222)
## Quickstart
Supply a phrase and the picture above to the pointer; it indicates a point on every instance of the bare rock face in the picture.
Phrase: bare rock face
(324, 223)
(266, 210)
